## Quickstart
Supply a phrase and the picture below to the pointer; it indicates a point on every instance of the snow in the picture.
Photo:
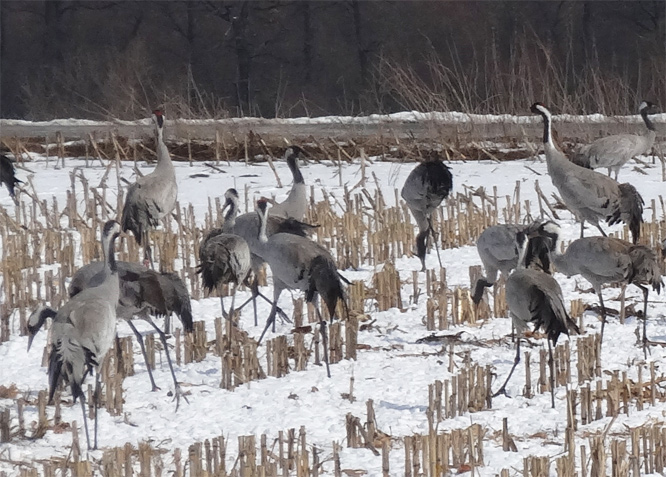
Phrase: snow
(404, 116)
(395, 372)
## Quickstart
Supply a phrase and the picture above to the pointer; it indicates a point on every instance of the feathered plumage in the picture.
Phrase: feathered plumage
(591, 196)
(152, 196)
(614, 151)
(425, 188)
(8, 175)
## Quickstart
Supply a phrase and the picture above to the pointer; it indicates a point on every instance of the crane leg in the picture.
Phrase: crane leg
(178, 392)
(233, 301)
(601, 230)
(224, 313)
(603, 315)
(271, 319)
(147, 252)
(582, 228)
(434, 239)
(96, 397)
(324, 340)
(255, 292)
(516, 360)
(551, 364)
(139, 338)
(282, 314)
(85, 418)
(645, 302)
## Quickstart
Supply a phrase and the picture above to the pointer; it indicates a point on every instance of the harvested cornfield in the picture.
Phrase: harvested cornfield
(414, 363)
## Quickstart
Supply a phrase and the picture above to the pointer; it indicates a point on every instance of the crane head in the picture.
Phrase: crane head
(111, 229)
(648, 107)
(230, 198)
(548, 230)
(37, 320)
(539, 108)
(262, 205)
(158, 117)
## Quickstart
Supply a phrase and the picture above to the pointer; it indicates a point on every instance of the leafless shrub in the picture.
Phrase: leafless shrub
(483, 83)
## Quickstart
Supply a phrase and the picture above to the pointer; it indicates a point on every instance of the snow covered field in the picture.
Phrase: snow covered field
(393, 369)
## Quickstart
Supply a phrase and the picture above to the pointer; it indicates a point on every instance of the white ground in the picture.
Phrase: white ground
(396, 379)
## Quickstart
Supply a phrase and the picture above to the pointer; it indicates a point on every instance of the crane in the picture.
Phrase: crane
(152, 196)
(591, 196)
(425, 188)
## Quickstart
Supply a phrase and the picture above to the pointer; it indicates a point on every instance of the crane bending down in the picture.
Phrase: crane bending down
(83, 331)
(499, 252)
(247, 226)
(144, 292)
(152, 196)
(224, 257)
(602, 260)
(426, 187)
(615, 151)
(8, 176)
(296, 203)
(535, 297)
(591, 196)
(299, 263)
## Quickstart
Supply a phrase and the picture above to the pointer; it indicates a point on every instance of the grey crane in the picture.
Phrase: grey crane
(602, 260)
(224, 257)
(144, 292)
(296, 203)
(83, 330)
(152, 196)
(299, 263)
(534, 296)
(591, 196)
(8, 175)
(426, 187)
(247, 226)
(614, 151)
(499, 252)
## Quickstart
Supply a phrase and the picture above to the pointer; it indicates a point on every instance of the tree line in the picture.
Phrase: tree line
(285, 58)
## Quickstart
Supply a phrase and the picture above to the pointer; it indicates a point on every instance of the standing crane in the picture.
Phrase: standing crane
(426, 187)
(83, 330)
(602, 260)
(615, 151)
(535, 297)
(299, 263)
(296, 203)
(224, 257)
(591, 196)
(8, 175)
(153, 196)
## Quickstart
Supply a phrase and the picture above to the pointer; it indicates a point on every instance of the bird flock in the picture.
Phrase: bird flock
(100, 293)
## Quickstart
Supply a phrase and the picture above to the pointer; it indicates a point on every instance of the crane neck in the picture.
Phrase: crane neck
(230, 216)
(648, 122)
(522, 245)
(562, 263)
(108, 245)
(163, 156)
(262, 225)
(292, 162)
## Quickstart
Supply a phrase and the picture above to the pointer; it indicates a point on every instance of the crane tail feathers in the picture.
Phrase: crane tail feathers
(629, 209)
(54, 371)
(325, 280)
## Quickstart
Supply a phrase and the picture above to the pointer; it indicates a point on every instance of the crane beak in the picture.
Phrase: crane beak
(30, 338)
